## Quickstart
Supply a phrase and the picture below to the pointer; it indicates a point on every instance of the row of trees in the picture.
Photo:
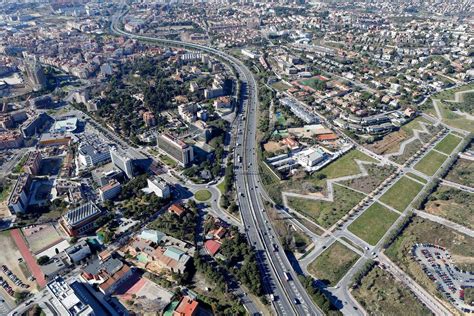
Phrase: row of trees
(239, 254)
(319, 297)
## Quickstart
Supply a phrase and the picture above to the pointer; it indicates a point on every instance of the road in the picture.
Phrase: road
(291, 298)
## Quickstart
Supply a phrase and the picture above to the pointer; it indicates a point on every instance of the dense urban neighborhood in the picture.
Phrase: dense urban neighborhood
(187, 158)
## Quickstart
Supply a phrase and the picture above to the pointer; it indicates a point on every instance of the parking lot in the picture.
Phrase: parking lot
(438, 265)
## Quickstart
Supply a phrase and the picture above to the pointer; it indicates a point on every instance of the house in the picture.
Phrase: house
(177, 209)
(212, 246)
(186, 307)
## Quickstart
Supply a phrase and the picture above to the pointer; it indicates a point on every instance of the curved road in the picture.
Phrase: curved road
(279, 277)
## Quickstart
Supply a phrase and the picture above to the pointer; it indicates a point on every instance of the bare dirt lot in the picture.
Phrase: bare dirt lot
(390, 143)
(9, 257)
(41, 237)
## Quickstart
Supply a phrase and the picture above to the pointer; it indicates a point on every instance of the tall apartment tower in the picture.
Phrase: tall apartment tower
(122, 161)
(35, 74)
(176, 149)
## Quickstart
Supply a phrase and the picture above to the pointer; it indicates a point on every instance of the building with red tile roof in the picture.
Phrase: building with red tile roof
(187, 307)
(177, 209)
(212, 246)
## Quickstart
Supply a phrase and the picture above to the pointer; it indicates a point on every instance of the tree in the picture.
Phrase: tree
(42, 260)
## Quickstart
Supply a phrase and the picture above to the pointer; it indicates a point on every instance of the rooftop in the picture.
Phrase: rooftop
(81, 213)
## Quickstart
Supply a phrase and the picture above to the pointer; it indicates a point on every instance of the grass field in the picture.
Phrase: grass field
(168, 161)
(202, 195)
(430, 163)
(400, 195)
(462, 172)
(381, 294)
(345, 165)
(313, 83)
(448, 144)
(452, 204)
(453, 119)
(221, 187)
(333, 263)
(372, 225)
(280, 86)
(376, 175)
(326, 213)
(414, 176)
(424, 231)
(409, 151)
(449, 94)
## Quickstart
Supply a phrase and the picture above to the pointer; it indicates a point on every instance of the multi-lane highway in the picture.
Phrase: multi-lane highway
(279, 279)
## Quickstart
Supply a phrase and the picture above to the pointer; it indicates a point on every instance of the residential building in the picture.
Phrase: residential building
(223, 103)
(110, 190)
(177, 209)
(36, 123)
(19, 197)
(35, 74)
(176, 149)
(186, 307)
(81, 220)
(159, 187)
(33, 163)
(13, 139)
(107, 274)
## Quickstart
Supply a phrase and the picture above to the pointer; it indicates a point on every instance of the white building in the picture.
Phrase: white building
(67, 301)
(159, 187)
(79, 251)
(93, 151)
(311, 157)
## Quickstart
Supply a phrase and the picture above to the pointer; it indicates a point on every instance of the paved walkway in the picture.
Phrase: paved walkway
(29, 259)
(416, 135)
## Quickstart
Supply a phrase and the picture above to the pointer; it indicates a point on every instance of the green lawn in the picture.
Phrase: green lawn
(453, 119)
(430, 163)
(372, 225)
(448, 144)
(345, 165)
(400, 195)
(221, 187)
(333, 263)
(462, 172)
(326, 213)
(202, 195)
(168, 161)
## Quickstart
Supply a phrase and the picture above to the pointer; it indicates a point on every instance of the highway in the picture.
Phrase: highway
(279, 278)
